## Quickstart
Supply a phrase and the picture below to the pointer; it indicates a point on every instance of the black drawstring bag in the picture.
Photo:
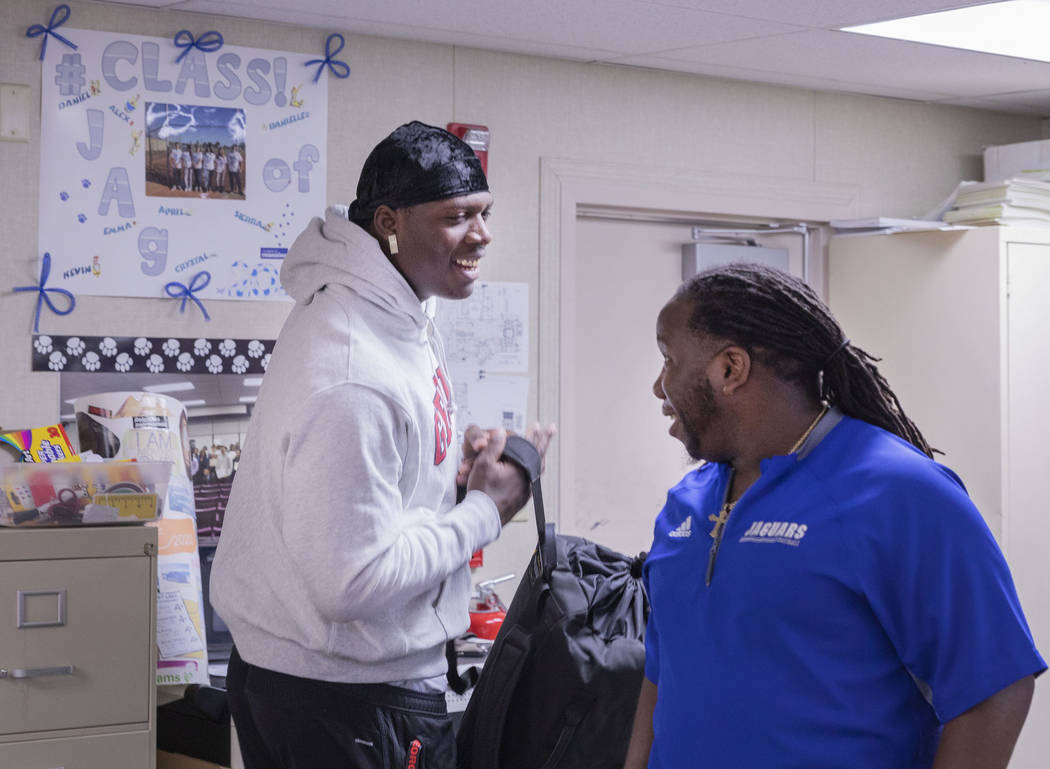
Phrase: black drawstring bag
(560, 686)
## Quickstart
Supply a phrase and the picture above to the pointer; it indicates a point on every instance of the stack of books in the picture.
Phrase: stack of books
(883, 225)
(1013, 202)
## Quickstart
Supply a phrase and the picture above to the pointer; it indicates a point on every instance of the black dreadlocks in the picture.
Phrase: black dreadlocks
(782, 323)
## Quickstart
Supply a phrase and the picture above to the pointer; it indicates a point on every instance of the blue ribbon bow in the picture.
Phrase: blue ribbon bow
(45, 272)
(209, 41)
(39, 29)
(176, 290)
(339, 68)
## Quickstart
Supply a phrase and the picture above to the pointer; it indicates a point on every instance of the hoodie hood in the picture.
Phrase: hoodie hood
(337, 251)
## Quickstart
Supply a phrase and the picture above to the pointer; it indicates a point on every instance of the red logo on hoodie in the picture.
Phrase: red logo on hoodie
(442, 422)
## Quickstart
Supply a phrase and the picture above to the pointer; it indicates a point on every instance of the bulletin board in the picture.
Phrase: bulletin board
(126, 204)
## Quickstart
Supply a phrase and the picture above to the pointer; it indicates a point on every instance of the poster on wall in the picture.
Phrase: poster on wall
(486, 340)
(159, 163)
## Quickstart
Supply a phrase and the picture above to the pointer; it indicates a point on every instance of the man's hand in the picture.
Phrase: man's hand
(504, 482)
(474, 440)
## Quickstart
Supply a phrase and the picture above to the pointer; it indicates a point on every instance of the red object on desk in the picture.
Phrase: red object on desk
(478, 559)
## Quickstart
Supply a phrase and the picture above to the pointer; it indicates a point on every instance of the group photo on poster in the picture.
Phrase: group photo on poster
(195, 151)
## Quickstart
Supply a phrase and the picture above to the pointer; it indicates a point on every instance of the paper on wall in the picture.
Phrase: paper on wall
(489, 330)
(486, 340)
(490, 400)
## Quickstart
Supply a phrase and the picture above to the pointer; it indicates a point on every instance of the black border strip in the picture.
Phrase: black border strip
(150, 355)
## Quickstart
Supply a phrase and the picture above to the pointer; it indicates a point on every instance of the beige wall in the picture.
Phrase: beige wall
(904, 156)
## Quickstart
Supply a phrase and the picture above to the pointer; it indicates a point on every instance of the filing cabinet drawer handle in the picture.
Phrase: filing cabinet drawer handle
(58, 605)
(63, 670)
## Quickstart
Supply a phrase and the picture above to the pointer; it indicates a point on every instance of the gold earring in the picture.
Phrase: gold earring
(392, 242)
(725, 389)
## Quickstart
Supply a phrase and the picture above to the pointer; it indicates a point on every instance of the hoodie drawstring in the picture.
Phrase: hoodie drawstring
(437, 351)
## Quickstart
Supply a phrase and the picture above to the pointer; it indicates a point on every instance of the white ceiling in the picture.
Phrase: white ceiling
(787, 42)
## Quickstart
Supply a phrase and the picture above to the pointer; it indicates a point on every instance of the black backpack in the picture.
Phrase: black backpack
(560, 686)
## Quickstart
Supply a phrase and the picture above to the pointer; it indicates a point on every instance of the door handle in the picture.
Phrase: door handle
(63, 670)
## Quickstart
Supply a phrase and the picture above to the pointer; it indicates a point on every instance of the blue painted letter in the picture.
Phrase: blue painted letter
(115, 51)
(153, 247)
(95, 120)
(308, 155)
(117, 186)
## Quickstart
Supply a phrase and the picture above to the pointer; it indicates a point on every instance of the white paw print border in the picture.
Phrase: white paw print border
(153, 355)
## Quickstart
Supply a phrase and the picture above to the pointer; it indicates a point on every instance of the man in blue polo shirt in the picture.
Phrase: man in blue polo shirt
(824, 595)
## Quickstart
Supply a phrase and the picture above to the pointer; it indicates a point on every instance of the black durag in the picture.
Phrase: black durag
(417, 163)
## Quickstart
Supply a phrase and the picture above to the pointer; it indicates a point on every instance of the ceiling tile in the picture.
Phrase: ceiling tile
(406, 31)
(823, 14)
(472, 40)
(876, 61)
(779, 78)
(629, 26)
(167, 4)
(309, 13)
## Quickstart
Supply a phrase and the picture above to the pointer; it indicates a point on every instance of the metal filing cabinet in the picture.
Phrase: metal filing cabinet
(77, 648)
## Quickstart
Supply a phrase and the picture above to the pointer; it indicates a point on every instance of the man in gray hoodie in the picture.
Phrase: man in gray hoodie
(342, 567)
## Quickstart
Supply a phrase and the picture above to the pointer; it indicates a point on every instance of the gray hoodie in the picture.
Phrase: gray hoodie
(343, 555)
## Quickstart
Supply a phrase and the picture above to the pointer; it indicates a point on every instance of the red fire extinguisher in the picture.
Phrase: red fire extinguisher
(476, 137)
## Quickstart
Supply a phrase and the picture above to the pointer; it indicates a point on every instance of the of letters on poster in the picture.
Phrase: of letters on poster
(154, 171)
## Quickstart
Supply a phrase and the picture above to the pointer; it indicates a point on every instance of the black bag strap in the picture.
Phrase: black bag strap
(459, 682)
(522, 453)
(507, 663)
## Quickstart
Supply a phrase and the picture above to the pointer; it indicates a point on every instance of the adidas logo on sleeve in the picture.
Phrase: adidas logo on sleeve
(683, 530)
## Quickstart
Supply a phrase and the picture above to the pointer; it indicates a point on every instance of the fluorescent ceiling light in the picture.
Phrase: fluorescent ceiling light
(214, 411)
(1016, 28)
(197, 402)
(170, 387)
(252, 381)
(247, 399)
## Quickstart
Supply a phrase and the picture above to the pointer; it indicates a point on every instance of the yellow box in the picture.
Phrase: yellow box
(40, 444)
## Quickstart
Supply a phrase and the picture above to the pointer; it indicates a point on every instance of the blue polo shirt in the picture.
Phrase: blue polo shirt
(858, 602)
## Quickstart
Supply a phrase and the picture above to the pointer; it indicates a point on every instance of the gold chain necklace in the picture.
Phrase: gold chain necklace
(719, 520)
(812, 425)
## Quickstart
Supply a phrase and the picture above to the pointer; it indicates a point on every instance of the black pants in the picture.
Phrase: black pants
(285, 722)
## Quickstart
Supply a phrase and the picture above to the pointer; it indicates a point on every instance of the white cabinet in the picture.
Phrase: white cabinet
(961, 320)
(77, 648)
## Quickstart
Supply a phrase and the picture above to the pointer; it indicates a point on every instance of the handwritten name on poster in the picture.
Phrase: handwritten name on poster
(153, 170)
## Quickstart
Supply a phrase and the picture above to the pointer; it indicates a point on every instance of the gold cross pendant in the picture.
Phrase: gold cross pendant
(720, 520)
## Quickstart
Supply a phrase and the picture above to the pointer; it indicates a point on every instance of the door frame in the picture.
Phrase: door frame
(566, 184)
